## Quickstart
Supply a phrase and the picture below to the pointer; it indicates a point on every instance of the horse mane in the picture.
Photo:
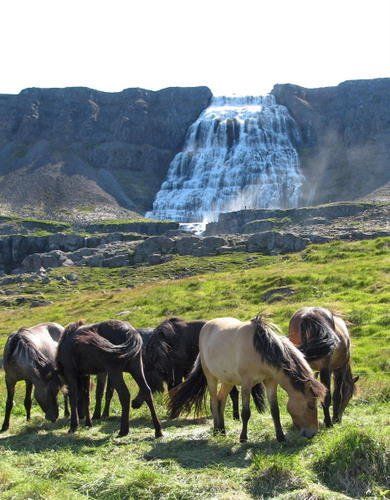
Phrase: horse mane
(279, 352)
(318, 338)
(20, 344)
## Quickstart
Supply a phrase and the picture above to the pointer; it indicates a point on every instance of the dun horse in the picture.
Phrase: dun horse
(111, 347)
(324, 340)
(29, 355)
(247, 353)
(169, 355)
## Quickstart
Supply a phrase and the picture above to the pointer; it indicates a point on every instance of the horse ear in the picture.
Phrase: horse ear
(355, 379)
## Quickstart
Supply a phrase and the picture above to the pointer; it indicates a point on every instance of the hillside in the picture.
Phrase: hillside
(348, 461)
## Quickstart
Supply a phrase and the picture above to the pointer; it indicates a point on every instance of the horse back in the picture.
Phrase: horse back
(227, 351)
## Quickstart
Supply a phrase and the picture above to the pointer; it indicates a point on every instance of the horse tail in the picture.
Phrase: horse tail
(113, 352)
(258, 397)
(318, 338)
(9, 348)
(192, 392)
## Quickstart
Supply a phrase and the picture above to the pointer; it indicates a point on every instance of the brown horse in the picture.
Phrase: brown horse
(111, 347)
(323, 338)
(29, 355)
(246, 353)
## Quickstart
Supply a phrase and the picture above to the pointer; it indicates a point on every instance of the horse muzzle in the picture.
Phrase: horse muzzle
(308, 433)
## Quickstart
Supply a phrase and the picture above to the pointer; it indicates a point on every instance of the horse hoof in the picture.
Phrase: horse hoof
(3, 429)
(281, 438)
(236, 417)
(71, 430)
(158, 434)
(243, 439)
(96, 417)
(122, 434)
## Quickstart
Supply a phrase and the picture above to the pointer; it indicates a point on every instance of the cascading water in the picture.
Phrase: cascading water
(238, 154)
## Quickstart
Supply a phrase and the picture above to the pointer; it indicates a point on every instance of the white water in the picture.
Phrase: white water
(237, 155)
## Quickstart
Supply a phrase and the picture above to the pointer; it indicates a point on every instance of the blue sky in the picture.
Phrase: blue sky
(242, 46)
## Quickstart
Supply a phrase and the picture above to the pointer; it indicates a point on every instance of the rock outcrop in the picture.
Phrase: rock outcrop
(345, 137)
(72, 147)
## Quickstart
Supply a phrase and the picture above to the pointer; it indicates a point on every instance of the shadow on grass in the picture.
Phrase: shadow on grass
(31, 440)
(226, 451)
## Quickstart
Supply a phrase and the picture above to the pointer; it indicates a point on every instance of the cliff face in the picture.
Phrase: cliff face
(345, 146)
(62, 148)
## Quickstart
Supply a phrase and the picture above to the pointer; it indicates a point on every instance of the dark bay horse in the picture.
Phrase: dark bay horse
(111, 347)
(323, 338)
(153, 379)
(169, 356)
(233, 352)
(29, 355)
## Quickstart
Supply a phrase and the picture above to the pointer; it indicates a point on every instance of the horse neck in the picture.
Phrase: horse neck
(285, 382)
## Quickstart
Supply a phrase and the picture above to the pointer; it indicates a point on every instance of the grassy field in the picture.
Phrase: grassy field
(40, 460)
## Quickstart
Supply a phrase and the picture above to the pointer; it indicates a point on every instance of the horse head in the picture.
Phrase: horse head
(302, 406)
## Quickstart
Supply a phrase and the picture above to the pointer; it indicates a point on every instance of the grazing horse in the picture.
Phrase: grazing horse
(246, 353)
(111, 347)
(169, 356)
(29, 355)
(323, 338)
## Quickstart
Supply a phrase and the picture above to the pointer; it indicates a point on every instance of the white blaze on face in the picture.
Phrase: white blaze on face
(238, 154)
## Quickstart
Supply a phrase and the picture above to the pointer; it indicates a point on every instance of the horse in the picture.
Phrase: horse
(29, 355)
(247, 353)
(169, 356)
(153, 379)
(323, 338)
(111, 347)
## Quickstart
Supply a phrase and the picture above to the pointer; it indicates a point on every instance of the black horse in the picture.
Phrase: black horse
(29, 355)
(111, 347)
(153, 379)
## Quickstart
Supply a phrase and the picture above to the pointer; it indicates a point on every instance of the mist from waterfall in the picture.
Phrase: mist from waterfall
(238, 154)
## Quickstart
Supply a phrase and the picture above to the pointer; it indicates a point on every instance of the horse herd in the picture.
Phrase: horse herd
(188, 357)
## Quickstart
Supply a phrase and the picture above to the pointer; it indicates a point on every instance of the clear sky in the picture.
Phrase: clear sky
(241, 46)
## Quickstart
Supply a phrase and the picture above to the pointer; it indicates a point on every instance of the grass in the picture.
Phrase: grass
(40, 460)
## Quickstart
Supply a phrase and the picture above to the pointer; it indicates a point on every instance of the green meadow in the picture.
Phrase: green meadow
(40, 460)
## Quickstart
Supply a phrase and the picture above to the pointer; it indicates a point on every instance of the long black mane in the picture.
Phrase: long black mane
(318, 338)
(279, 352)
(20, 345)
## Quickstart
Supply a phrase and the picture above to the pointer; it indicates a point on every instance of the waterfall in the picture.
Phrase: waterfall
(238, 154)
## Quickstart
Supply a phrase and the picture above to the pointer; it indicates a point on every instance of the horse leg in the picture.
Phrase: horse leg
(85, 390)
(325, 380)
(212, 385)
(137, 373)
(73, 388)
(338, 380)
(66, 406)
(100, 385)
(116, 378)
(222, 396)
(245, 411)
(10, 402)
(109, 394)
(234, 398)
(27, 399)
(272, 395)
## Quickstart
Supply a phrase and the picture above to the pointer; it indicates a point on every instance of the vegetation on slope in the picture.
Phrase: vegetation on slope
(40, 460)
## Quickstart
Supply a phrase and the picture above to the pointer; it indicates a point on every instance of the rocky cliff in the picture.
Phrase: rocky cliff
(78, 147)
(345, 145)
